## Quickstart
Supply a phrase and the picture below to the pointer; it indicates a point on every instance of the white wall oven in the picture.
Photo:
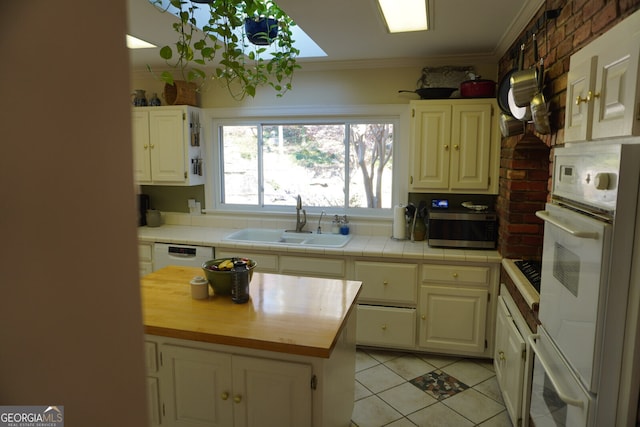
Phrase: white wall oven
(586, 261)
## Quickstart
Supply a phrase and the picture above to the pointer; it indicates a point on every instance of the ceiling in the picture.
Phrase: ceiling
(353, 30)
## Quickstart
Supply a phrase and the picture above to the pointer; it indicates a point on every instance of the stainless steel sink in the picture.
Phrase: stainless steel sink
(284, 237)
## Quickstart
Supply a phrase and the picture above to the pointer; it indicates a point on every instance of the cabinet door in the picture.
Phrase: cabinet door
(153, 402)
(140, 138)
(470, 147)
(198, 387)
(452, 319)
(167, 146)
(430, 139)
(271, 393)
(578, 111)
(509, 361)
(617, 90)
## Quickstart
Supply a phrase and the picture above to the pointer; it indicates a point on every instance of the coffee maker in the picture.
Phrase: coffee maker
(143, 207)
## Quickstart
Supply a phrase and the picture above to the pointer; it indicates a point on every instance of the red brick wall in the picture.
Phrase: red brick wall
(525, 159)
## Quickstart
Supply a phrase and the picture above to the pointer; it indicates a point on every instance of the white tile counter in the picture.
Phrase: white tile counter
(360, 245)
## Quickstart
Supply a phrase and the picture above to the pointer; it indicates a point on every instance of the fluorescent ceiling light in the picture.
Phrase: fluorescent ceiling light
(404, 15)
(135, 43)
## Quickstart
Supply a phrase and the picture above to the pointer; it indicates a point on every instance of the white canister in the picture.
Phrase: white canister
(199, 288)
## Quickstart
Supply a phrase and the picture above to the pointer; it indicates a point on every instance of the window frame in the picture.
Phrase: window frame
(396, 114)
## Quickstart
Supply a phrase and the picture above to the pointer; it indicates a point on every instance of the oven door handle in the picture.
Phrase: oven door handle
(545, 216)
(561, 393)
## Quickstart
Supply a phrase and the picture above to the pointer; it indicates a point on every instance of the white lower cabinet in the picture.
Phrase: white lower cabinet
(204, 388)
(456, 314)
(509, 361)
(452, 320)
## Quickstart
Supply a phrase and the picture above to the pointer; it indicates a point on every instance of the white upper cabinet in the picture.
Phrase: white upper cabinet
(166, 150)
(455, 146)
(603, 94)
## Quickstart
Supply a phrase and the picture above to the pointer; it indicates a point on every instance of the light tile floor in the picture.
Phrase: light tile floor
(398, 389)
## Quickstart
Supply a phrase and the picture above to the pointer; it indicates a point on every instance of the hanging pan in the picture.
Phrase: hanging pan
(539, 108)
(503, 91)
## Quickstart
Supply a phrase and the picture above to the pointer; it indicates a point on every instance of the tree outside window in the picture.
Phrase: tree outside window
(339, 165)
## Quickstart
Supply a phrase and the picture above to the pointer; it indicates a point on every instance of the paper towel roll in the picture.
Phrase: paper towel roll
(399, 223)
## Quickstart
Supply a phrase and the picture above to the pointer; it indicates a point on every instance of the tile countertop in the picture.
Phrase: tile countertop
(365, 246)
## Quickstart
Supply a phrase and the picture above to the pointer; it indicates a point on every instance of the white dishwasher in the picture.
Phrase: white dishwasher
(165, 254)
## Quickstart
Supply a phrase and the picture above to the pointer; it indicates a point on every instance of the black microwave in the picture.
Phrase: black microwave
(454, 228)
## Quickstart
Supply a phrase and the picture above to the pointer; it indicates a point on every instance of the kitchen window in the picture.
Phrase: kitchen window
(344, 165)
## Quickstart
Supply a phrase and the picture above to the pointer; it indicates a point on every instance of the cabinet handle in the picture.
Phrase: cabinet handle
(383, 327)
(591, 96)
(224, 395)
(501, 355)
(237, 398)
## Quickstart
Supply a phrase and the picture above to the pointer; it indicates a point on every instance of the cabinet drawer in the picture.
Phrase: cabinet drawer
(151, 357)
(324, 267)
(456, 274)
(386, 326)
(145, 252)
(387, 282)
(266, 263)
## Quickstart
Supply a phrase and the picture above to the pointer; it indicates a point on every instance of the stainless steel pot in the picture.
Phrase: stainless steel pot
(539, 107)
(510, 126)
(524, 83)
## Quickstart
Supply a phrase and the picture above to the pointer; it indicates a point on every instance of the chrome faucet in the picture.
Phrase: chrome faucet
(300, 224)
(319, 221)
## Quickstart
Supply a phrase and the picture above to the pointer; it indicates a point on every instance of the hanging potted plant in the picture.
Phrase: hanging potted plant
(220, 49)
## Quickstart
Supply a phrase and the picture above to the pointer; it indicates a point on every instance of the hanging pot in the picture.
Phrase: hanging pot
(520, 113)
(539, 107)
(510, 126)
(524, 83)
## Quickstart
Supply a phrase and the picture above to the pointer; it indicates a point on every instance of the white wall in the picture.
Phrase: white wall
(70, 318)
(333, 84)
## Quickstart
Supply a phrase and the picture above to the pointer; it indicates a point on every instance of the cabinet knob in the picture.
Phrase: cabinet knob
(423, 317)
(455, 274)
(591, 96)
(152, 146)
(224, 395)
(145, 146)
(385, 283)
(456, 147)
(237, 398)
(383, 327)
(501, 355)
(580, 100)
(446, 146)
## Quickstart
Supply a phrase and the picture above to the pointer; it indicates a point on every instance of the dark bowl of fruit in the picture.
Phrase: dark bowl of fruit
(218, 272)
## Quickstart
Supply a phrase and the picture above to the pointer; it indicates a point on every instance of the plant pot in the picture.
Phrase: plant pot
(181, 93)
(261, 32)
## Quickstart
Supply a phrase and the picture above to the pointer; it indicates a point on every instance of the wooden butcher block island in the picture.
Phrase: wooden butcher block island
(285, 358)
